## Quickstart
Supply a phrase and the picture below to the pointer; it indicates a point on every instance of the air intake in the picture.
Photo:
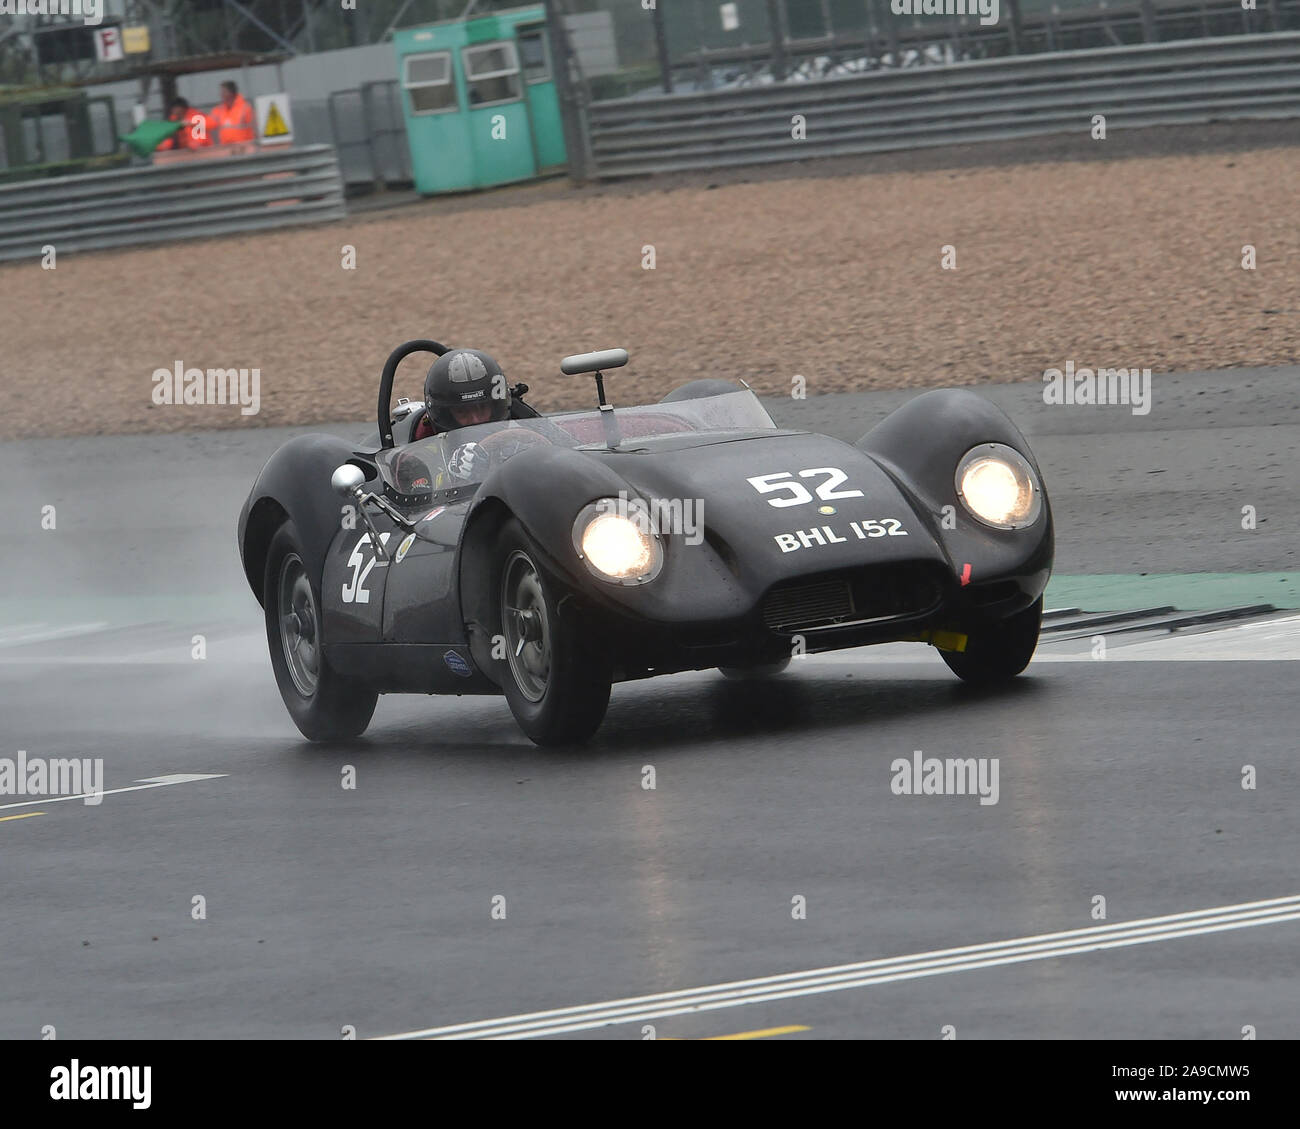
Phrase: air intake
(819, 603)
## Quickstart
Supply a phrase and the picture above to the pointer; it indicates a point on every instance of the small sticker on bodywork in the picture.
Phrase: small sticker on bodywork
(404, 547)
(457, 665)
(433, 513)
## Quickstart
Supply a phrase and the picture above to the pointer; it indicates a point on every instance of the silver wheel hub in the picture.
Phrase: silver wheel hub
(526, 626)
(298, 634)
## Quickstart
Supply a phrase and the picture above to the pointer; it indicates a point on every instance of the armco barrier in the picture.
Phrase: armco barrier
(1183, 82)
(162, 203)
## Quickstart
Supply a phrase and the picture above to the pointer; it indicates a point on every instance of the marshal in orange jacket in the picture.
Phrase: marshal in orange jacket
(190, 136)
(232, 118)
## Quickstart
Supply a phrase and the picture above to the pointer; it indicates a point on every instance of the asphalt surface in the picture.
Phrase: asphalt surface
(373, 907)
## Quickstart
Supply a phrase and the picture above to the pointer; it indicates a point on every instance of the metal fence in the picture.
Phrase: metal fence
(162, 203)
(1183, 82)
(823, 38)
(370, 135)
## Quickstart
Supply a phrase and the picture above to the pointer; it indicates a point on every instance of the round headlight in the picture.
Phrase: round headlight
(618, 546)
(996, 483)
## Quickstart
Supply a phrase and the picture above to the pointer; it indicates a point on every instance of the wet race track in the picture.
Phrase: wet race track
(772, 883)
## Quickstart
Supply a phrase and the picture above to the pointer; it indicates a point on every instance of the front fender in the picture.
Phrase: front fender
(545, 487)
(920, 445)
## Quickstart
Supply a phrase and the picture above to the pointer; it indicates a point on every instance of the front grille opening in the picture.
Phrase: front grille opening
(898, 590)
(890, 592)
(993, 593)
(816, 604)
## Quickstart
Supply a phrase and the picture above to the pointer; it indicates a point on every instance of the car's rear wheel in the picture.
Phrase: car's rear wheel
(748, 673)
(324, 705)
(998, 652)
(556, 681)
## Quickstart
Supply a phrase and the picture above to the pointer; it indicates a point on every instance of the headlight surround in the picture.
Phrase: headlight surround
(997, 486)
(618, 542)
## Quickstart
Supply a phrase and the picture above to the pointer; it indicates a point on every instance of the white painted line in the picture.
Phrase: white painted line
(141, 786)
(19, 628)
(1266, 623)
(223, 649)
(44, 636)
(178, 778)
(838, 978)
(1267, 640)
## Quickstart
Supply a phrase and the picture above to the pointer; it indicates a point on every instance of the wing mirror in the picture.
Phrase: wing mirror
(348, 480)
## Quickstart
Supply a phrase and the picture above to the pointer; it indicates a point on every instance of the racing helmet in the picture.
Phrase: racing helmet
(465, 387)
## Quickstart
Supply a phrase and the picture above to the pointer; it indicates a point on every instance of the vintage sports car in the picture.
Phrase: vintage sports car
(546, 557)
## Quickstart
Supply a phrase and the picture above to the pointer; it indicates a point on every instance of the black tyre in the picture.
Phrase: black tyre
(556, 681)
(1000, 652)
(748, 673)
(324, 705)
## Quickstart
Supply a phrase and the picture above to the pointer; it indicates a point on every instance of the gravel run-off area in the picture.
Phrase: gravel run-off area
(1126, 257)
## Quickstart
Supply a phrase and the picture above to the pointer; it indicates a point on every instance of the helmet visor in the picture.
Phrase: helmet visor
(466, 415)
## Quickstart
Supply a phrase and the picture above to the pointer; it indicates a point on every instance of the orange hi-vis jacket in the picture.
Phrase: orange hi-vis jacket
(190, 135)
(233, 124)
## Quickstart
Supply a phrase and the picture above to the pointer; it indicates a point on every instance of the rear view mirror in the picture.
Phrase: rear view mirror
(593, 362)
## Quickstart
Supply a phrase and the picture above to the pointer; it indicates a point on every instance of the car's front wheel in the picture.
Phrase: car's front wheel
(324, 705)
(556, 680)
(998, 652)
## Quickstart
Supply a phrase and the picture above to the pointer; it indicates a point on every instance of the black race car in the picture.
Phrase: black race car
(579, 549)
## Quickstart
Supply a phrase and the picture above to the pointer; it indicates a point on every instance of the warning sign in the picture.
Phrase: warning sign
(274, 121)
(274, 126)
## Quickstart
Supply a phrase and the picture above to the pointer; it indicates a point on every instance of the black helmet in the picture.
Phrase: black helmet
(465, 387)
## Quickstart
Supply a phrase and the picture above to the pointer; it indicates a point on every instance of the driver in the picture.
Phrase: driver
(465, 387)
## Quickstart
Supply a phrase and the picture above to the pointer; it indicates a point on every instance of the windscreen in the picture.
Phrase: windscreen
(467, 455)
(732, 411)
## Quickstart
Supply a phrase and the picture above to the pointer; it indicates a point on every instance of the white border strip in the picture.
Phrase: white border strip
(837, 978)
(140, 786)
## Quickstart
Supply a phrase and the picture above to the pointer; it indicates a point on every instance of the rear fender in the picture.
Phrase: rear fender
(295, 485)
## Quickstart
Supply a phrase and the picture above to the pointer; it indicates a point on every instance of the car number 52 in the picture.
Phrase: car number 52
(798, 495)
(355, 591)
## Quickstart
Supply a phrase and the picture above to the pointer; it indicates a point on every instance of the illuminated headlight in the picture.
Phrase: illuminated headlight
(997, 484)
(617, 542)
